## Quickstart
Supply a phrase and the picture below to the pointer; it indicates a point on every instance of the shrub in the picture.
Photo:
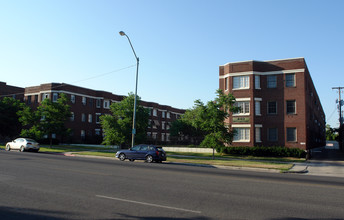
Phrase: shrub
(266, 151)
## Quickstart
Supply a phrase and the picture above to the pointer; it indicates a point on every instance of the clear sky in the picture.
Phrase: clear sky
(180, 43)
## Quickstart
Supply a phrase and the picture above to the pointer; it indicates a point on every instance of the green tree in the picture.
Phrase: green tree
(10, 125)
(117, 127)
(331, 133)
(49, 118)
(208, 121)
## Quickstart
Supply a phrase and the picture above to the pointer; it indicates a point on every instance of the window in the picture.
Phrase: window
(257, 81)
(84, 100)
(272, 81)
(106, 103)
(83, 117)
(291, 107)
(45, 96)
(163, 125)
(258, 134)
(90, 118)
(291, 134)
(168, 115)
(241, 82)
(155, 112)
(244, 108)
(90, 102)
(98, 103)
(226, 83)
(241, 135)
(162, 137)
(163, 114)
(167, 127)
(97, 131)
(55, 97)
(72, 116)
(272, 134)
(290, 80)
(36, 98)
(72, 98)
(98, 118)
(83, 134)
(257, 108)
(29, 99)
(154, 135)
(272, 108)
(167, 137)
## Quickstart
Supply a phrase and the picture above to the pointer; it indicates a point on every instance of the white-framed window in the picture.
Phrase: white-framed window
(163, 114)
(45, 96)
(55, 96)
(163, 125)
(167, 137)
(162, 137)
(272, 81)
(72, 116)
(272, 134)
(154, 135)
(226, 83)
(242, 134)
(244, 108)
(83, 134)
(90, 118)
(258, 134)
(83, 117)
(72, 98)
(168, 115)
(291, 135)
(257, 108)
(53, 136)
(98, 103)
(98, 118)
(257, 81)
(107, 104)
(84, 100)
(167, 126)
(290, 80)
(241, 82)
(155, 112)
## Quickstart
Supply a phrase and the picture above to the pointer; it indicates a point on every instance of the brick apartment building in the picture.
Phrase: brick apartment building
(279, 105)
(88, 105)
(11, 91)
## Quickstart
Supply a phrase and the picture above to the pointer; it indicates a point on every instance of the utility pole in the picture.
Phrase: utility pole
(340, 103)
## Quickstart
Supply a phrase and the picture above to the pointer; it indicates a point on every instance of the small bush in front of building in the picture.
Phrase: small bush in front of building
(266, 151)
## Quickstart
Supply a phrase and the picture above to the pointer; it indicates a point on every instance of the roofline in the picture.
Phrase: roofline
(263, 61)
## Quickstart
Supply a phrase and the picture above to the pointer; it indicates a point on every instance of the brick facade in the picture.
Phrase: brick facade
(279, 104)
(88, 105)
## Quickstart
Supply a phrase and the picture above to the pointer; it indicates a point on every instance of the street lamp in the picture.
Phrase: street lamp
(137, 73)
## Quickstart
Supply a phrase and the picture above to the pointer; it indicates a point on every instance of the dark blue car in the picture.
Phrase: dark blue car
(149, 153)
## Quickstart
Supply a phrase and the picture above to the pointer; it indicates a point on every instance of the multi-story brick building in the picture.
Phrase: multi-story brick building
(11, 91)
(279, 105)
(88, 105)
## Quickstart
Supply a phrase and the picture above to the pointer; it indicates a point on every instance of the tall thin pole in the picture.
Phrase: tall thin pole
(135, 100)
(340, 117)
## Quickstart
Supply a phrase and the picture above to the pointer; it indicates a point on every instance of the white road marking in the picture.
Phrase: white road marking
(148, 204)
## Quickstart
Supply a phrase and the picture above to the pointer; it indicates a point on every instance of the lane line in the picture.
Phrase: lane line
(148, 204)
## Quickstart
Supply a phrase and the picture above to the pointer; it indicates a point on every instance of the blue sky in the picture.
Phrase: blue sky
(180, 43)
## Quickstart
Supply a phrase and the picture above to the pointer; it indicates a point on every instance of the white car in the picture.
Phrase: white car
(23, 144)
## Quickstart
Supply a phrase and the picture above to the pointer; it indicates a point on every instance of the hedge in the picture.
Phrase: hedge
(266, 151)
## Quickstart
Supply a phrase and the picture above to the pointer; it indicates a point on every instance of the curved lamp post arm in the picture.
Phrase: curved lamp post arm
(135, 100)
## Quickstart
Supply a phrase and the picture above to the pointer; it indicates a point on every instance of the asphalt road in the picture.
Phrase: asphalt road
(44, 186)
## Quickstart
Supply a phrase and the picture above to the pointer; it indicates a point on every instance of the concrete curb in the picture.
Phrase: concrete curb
(297, 169)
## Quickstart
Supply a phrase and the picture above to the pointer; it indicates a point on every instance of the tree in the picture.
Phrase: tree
(208, 120)
(9, 120)
(117, 127)
(331, 133)
(48, 119)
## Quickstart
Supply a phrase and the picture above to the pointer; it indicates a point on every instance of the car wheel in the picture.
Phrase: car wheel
(132, 160)
(8, 147)
(121, 157)
(36, 150)
(149, 159)
(22, 149)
